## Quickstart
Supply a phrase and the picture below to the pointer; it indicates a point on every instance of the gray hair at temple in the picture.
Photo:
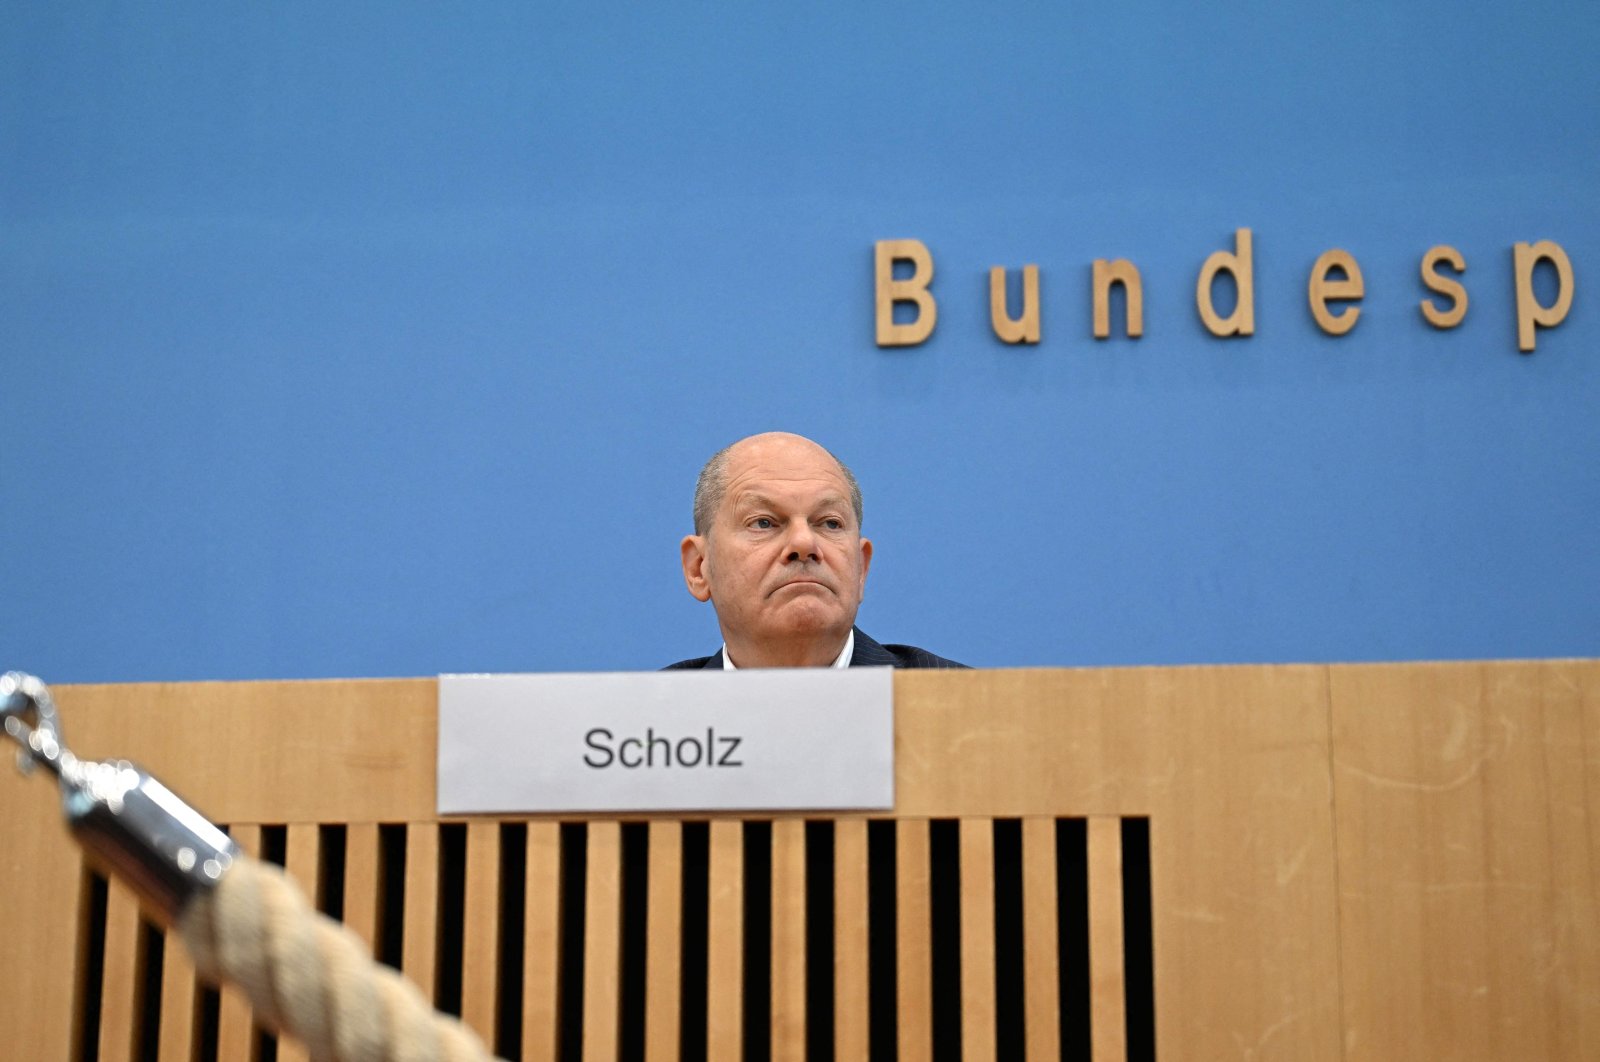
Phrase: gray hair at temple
(713, 484)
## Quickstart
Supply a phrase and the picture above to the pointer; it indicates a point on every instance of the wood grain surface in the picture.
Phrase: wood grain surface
(1346, 862)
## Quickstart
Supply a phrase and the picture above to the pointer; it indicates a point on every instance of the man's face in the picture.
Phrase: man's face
(783, 562)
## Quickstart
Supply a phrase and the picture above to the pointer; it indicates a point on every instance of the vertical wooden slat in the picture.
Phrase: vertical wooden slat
(602, 931)
(977, 940)
(119, 985)
(542, 942)
(913, 941)
(419, 955)
(178, 995)
(1107, 998)
(235, 1029)
(664, 946)
(302, 857)
(851, 1030)
(788, 1023)
(725, 943)
(481, 930)
(302, 861)
(1041, 963)
(361, 882)
(45, 889)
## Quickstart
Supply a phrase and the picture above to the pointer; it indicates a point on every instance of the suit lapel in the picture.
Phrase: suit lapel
(869, 653)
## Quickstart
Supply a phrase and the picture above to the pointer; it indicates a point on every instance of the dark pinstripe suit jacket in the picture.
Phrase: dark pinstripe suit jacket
(868, 653)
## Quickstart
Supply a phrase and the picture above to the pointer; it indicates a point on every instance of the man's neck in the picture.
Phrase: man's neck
(810, 653)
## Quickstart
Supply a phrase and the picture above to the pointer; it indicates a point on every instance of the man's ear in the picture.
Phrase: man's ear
(866, 559)
(693, 549)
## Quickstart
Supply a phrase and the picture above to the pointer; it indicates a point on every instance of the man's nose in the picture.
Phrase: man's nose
(802, 542)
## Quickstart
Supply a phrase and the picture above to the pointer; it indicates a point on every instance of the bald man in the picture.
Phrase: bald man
(777, 550)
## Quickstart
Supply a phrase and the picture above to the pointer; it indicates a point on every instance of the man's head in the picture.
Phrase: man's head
(777, 550)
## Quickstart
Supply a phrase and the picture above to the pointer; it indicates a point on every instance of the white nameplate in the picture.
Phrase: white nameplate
(786, 739)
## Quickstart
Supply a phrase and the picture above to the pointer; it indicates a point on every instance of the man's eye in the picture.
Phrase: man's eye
(763, 523)
(833, 523)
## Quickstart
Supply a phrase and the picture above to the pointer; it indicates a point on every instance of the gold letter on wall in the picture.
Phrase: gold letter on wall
(1321, 290)
(1529, 312)
(914, 289)
(1024, 329)
(1444, 286)
(1125, 273)
(1242, 321)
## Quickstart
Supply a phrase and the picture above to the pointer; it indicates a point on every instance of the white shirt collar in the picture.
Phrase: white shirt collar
(843, 659)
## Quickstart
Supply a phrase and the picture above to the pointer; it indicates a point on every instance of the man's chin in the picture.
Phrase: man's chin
(805, 617)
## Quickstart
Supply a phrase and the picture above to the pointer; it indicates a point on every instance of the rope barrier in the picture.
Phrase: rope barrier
(311, 976)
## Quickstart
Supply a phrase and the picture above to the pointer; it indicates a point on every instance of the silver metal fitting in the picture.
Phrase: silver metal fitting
(122, 816)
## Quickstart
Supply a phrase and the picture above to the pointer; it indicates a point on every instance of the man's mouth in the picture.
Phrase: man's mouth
(802, 582)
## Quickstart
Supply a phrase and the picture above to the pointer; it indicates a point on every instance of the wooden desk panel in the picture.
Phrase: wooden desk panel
(1468, 803)
(1345, 862)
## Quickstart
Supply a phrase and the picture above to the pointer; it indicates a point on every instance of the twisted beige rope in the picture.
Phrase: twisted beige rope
(312, 978)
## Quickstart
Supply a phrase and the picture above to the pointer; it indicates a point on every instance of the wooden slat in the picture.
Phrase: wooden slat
(851, 1029)
(788, 1025)
(1107, 989)
(120, 981)
(361, 883)
(235, 1024)
(913, 941)
(725, 943)
(1041, 963)
(302, 857)
(977, 940)
(481, 939)
(663, 948)
(419, 953)
(179, 992)
(541, 961)
(602, 932)
(44, 885)
(302, 862)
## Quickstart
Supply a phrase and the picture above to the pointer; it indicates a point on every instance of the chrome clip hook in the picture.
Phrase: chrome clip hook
(129, 821)
(42, 742)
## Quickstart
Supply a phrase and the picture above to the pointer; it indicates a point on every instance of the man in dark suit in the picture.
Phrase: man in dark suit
(777, 550)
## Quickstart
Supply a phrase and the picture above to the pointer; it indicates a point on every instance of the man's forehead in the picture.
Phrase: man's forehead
(802, 486)
(785, 460)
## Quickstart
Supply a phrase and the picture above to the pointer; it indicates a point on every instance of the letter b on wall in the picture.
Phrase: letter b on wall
(913, 289)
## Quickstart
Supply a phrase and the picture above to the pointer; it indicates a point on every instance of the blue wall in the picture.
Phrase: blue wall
(387, 340)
